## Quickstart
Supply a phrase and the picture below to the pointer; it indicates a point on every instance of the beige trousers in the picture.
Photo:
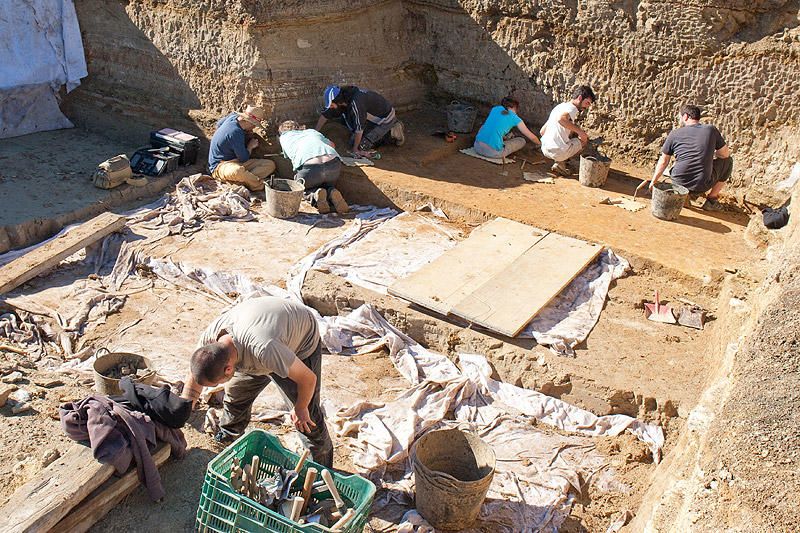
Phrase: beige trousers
(251, 173)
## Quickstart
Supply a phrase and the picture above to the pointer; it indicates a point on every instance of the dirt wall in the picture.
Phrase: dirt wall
(738, 59)
(198, 59)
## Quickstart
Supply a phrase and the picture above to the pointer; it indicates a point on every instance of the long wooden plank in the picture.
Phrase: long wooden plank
(489, 249)
(48, 255)
(106, 497)
(39, 504)
(508, 301)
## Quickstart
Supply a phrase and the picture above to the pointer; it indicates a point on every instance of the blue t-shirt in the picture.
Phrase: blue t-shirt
(228, 142)
(496, 126)
(302, 145)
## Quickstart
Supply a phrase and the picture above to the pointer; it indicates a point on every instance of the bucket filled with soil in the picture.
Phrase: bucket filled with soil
(282, 197)
(452, 471)
(111, 367)
(668, 200)
(594, 170)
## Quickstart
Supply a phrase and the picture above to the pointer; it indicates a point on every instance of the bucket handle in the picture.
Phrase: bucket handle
(101, 349)
(456, 102)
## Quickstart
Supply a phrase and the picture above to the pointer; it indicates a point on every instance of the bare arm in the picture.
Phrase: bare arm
(306, 382)
(191, 390)
(357, 136)
(321, 122)
(543, 130)
(566, 121)
(661, 166)
(528, 133)
(723, 153)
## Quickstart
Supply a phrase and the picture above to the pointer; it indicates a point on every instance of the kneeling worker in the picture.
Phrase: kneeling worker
(502, 118)
(229, 155)
(557, 141)
(368, 115)
(703, 162)
(316, 162)
(257, 341)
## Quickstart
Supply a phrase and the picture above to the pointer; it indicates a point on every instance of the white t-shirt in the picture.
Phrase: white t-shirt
(556, 136)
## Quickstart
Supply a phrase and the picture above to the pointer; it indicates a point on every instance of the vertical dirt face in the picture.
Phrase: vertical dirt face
(738, 60)
(203, 58)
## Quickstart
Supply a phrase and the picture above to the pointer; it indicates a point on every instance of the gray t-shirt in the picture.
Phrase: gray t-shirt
(693, 147)
(268, 333)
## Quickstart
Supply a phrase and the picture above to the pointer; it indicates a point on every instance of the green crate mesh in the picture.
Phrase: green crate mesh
(223, 510)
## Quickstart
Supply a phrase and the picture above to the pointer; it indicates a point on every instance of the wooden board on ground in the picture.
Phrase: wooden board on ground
(490, 248)
(511, 298)
(42, 502)
(48, 255)
(106, 497)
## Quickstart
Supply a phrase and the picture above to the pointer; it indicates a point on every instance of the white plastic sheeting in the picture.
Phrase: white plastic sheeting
(40, 50)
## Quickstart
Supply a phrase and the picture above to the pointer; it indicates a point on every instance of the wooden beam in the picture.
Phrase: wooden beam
(39, 504)
(106, 497)
(50, 254)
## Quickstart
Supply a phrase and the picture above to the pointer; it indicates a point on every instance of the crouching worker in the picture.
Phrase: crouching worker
(368, 115)
(561, 137)
(229, 155)
(490, 139)
(315, 161)
(255, 342)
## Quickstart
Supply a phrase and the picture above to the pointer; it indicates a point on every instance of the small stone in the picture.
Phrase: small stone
(496, 345)
(14, 377)
(48, 383)
(21, 408)
(5, 392)
(50, 455)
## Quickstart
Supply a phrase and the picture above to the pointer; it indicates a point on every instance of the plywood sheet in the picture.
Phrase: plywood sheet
(48, 255)
(512, 297)
(490, 249)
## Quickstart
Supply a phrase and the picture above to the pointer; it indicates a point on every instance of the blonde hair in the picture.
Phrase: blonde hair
(289, 125)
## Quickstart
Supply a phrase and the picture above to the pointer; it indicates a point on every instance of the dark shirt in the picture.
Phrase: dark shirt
(228, 143)
(693, 147)
(364, 106)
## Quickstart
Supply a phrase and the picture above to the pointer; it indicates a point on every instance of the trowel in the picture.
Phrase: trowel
(659, 313)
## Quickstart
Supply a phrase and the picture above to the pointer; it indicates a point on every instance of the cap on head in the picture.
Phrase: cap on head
(330, 92)
(254, 115)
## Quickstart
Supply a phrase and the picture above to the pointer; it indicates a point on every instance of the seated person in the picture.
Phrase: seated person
(368, 115)
(229, 155)
(560, 126)
(489, 141)
(703, 162)
(316, 162)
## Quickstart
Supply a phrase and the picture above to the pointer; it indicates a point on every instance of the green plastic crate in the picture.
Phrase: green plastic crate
(223, 510)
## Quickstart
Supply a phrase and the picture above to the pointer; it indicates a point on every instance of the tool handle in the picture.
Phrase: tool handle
(311, 476)
(297, 505)
(343, 520)
(301, 461)
(326, 475)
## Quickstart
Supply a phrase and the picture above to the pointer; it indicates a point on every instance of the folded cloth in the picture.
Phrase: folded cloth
(160, 404)
(118, 435)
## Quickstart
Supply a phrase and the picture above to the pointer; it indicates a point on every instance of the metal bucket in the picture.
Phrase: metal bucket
(283, 197)
(452, 472)
(461, 117)
(594, 170)
(109, 385)
(668, 200)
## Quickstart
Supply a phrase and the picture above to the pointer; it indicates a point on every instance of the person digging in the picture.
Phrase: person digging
(703, 162)
(257, 341)
(561, 137)
(229, 154)
(368, 115)
(316, 162)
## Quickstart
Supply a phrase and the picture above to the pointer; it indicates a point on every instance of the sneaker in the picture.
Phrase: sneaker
(338, 202)
(560, 168)
(320, 198)
(712, 204)
(398, 134)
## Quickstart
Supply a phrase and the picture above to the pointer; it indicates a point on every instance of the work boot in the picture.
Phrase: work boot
(398, 133)
(712, 204)
(338, 202)
(320, 201)
(560, 168)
